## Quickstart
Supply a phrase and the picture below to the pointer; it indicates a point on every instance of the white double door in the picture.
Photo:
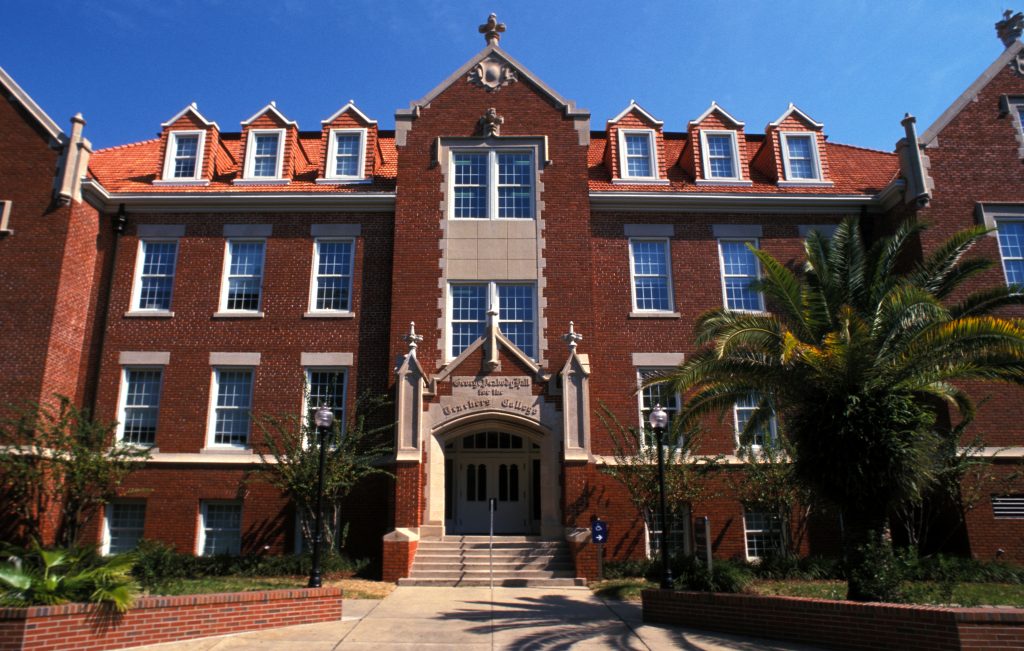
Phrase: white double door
(502, 477)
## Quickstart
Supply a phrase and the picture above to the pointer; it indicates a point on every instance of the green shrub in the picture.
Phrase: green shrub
(877, 571)
(46, 577)
(725, 576)
(634, 568)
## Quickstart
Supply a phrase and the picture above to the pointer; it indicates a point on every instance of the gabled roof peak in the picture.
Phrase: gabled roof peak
(803, 116)
(633, 106)
(715, 108)
(271, 107)
(350, 106)
(20, 96)
(192, 108)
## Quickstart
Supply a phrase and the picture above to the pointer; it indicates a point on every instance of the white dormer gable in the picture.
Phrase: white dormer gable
(350, 106)
(269, 108)
(633, 106)
(793, 110)
(192, 108)
(715, 108)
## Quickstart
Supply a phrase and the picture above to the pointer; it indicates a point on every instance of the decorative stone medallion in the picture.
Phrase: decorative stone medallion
(492, 74)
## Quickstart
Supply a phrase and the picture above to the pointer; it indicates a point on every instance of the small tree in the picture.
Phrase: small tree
(59, 464)
(290, 459)
(636, 467)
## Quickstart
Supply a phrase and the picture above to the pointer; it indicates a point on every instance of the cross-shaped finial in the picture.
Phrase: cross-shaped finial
(572, 337)
(492, 29)
(412, 338)
(1010, 28)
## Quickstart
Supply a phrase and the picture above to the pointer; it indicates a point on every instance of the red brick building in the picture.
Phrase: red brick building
(207, 275)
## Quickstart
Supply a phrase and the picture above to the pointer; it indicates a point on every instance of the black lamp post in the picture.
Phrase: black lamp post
(323, 418)
(658, 421)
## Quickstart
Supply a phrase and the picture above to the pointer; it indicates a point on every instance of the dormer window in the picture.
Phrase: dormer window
(184, 156)
(637, 154)
(720, 155)
(347, 156)
(263, 159)
(800, 156)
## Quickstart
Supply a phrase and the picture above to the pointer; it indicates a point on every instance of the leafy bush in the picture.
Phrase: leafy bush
(648, 568)
(877, 571)
(158, 563)
(46, 577)
(725, 576)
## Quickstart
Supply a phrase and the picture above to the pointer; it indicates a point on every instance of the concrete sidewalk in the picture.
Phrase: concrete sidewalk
(466, 619)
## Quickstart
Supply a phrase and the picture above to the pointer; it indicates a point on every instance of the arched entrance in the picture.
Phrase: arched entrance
(492, 464)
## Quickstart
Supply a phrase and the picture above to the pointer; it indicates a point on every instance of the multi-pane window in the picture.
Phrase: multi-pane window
(655, 394)
(763, 532)
(800, 157)
(244, 275)
(492, 184)
(186, 155)
(763, 434)
(720, 156)
(141, 405)
(221, 528)
(516, 307)
(348, 152)
(1011, 249)
(125, 524)
(326, 386)
(1020, 117)
(232, 406)
(156, 274)
(739, 269)
(332, 285)
(638, 155)
(678, 536)
(652, 280)
(265, 155)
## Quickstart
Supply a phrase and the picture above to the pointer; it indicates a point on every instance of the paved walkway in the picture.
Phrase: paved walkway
(466, 619)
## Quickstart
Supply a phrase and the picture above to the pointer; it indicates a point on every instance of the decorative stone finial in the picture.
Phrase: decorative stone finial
(490, 123)
(492, 29)
(412, 338)
(572, 337)
(1010, 28)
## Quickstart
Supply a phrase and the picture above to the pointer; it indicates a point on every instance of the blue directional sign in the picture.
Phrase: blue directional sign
(599, 531)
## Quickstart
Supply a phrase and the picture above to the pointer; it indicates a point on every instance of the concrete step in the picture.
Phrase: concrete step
(453, 573)
(478, 556)
(425, 545)
(502, 583)
(503, 568)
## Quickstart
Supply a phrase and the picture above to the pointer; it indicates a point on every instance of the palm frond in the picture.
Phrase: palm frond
(938, 273)
(987, 300)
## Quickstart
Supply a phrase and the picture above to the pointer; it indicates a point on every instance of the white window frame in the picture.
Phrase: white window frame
(747, 531)
(812, 136)
(492, 181)
(140, 263)
(314, 274)
(122, 401)
(250, 155)
(773, 426)
(108, 516)
(211, 417)
(226, 273)
(673, 410)
(999, 245)
(668, 271)
(652, 143)
(706, 157)
(340, 411)
(331, 166)
(493, 302)
(201, 533)
(170, 157)
(722, 277)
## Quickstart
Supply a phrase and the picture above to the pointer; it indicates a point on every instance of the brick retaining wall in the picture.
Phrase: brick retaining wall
(840, 624)
(162, 619)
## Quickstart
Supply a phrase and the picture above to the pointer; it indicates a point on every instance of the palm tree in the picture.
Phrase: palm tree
(857, 357)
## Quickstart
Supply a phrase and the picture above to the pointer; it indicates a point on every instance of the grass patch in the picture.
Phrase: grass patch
(627, 589)
(917, 592)
(354, 588)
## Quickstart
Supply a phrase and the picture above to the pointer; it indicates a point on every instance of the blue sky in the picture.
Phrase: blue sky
(856, 65)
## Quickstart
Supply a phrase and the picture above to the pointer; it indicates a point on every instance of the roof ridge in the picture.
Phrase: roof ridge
(128, 145)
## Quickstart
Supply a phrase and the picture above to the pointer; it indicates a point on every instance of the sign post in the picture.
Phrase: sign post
(599, 536)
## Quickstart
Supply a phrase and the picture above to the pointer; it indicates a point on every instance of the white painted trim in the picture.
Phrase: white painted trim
(272, 108)
(715, 108)
(143, 358)
(492, 150)
(633, 106)
(662, 360)
(140, 258)
(122, 394)
(640, 400)
(108, 516)
(170, 156)
(315, 267)
(989, 213)
(652, 140)
(649, 230)
(721, 270)
(753, 202)
(332, 152)
(668, 271)
(307, 380)
(250, 155)
(225, 274)
(235, 359)
(192, 108)
(803, 116)
(773, 428)
(812, 137)
(211, 416)
(492, 302)
(30, 105)
(5, 217)
(350, 106)
(737, 165)
(1002, 258)
(201, 533)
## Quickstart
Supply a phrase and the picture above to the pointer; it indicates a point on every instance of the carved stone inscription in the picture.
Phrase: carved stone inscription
(490, 393)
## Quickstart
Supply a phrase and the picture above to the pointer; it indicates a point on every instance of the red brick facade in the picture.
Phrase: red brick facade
(411, 249)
